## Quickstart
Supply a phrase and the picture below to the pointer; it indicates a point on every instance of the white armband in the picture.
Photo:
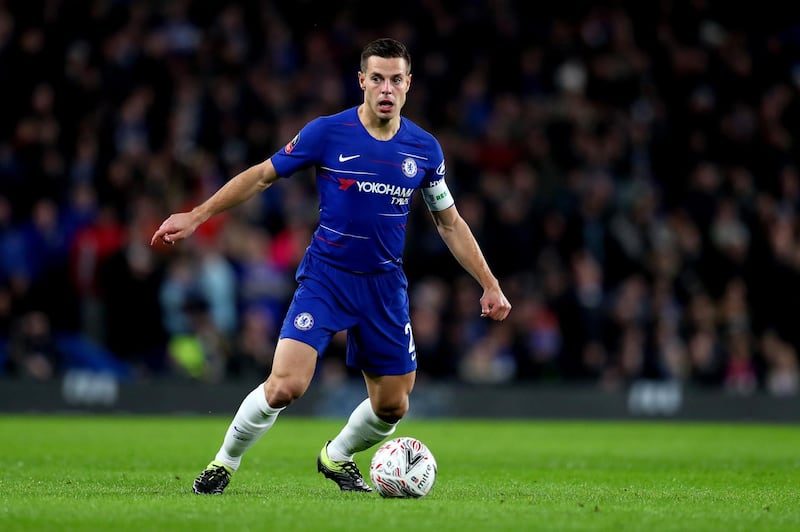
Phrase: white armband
(437, 196)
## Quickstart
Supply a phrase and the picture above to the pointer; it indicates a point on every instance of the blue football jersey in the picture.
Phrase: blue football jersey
(365, 187)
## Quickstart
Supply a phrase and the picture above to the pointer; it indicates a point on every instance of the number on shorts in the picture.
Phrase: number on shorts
(412, 349)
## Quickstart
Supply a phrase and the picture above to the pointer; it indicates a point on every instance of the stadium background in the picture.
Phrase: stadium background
(630, 169)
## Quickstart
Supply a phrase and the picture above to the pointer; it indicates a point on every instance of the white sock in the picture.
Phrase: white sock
(363, 430)
(252, 420)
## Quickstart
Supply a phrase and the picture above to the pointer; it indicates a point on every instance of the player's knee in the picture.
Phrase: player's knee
(282, 392)
(392, 412)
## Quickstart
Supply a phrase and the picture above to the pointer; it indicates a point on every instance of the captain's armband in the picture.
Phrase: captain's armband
(437, 197)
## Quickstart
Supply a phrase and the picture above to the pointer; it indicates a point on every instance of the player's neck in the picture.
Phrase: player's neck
(377, 127)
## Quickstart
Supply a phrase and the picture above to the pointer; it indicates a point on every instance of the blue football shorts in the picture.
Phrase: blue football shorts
(372, 308)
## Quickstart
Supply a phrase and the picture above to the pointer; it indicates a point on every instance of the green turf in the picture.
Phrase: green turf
(134, 473)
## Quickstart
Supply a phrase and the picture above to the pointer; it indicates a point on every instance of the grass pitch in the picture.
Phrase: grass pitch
(135, 473)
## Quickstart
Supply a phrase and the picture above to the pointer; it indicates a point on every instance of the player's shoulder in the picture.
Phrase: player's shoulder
(325, 126)
(418, 133)
(346, 117)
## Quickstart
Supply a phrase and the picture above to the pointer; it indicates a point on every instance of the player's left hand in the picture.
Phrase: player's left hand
(494, 304)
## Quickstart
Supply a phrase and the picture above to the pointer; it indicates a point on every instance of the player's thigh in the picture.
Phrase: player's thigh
(292, 368)
(388, 394)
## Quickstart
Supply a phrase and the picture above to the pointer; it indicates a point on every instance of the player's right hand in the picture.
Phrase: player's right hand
(176, 227)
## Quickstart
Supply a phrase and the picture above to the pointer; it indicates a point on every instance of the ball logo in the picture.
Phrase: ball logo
(304, 321)
(413, 457)
(409, 167)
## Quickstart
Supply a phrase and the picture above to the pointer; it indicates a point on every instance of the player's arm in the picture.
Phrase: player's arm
(239, 189)
(462, 244)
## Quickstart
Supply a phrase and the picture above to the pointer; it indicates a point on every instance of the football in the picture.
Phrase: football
(404, 468)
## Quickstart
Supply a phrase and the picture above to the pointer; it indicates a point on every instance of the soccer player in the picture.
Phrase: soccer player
(369, 161)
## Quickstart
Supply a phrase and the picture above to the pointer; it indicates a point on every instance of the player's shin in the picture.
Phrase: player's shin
(363, 430)
(253, 419)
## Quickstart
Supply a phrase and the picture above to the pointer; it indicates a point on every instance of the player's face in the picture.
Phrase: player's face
(385, 85)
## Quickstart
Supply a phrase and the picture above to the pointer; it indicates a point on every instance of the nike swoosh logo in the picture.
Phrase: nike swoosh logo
(343, 159)
(414, 355)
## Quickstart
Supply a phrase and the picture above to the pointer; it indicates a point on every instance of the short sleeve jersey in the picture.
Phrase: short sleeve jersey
(365, 187)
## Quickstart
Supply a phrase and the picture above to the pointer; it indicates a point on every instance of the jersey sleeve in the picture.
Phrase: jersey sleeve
(434, 188)
(300, 152)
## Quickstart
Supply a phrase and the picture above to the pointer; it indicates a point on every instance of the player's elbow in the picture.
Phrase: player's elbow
(450, 229)
(266, 174)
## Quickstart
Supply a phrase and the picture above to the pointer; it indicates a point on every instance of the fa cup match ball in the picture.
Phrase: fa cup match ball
(403, 467)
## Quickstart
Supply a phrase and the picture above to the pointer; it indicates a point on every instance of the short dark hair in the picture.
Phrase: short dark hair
(386, 48)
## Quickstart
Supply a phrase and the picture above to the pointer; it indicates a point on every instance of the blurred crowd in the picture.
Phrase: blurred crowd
(631, 170)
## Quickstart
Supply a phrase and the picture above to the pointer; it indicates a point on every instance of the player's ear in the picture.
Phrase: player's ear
(361, 79)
